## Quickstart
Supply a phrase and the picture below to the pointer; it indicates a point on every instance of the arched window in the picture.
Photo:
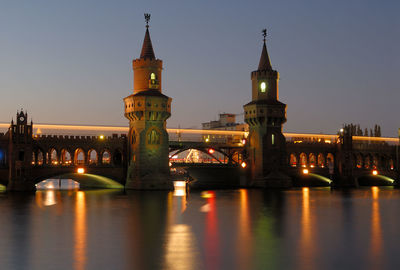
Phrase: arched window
(53, 160)
(321, 160)
(359, 162)
(152, 76)
(293, 160)
(303, 160)
(79, 156)
(106, 157)
(273, 139)
(391, 164)
(312, 160)
(92, 154)
(39, 160)
(65, 157)
(367, 162)
(375, 162)
(153, 137)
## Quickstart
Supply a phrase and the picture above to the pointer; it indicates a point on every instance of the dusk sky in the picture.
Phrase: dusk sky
(70, 61)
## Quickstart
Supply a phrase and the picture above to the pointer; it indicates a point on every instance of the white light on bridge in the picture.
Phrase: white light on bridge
(243, 164)
(375, 172)
(305, 171)
(81, 170)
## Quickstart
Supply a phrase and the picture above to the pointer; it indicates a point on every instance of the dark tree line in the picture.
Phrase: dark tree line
(355, 130)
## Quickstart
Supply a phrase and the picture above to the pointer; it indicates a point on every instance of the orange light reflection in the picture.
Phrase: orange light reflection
(80, 232)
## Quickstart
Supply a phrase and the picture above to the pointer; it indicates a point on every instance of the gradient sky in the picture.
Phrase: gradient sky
(70, 61)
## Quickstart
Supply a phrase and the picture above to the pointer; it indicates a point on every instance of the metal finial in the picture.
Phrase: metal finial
(147, 19)
(264, 33)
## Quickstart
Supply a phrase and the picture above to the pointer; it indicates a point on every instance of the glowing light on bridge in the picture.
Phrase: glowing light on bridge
(211, 151)
(81, 170)
(375, 172)
(101, 137)
(305, 171)
(244, 165)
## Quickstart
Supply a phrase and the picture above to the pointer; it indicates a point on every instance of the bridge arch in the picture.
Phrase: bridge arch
(321, 160)
(93, 156)
(312, 160)
(79, 156)
(303, 160)
(106, 156)
(293, 160)
(65, 158)
(86, 181)
(117, 157)
(229, 156)
(52, 156)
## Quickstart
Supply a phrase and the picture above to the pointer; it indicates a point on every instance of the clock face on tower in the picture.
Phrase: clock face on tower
(21, 119)
(263, 87)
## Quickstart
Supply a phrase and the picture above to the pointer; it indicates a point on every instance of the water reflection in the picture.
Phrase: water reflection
(80, 231)
(307, 246)
(376, 244)
(235, 229)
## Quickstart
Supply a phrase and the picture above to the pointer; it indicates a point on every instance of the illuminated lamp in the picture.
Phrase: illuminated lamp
(305, 171)
(211, 150)
(81, 170)
(243, 141)
(243, 165)
(375, 172)
(101, 137)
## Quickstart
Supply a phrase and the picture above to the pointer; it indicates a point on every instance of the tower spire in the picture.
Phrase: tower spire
(265, 63)
(147, 48)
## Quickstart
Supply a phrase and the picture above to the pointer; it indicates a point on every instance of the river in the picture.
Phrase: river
(305, 228)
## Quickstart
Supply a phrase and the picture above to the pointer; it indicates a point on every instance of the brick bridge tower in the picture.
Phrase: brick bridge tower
(20, 153)
(147, 110)
(265, 114)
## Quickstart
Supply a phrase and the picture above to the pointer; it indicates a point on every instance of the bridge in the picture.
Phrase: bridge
(101, 152)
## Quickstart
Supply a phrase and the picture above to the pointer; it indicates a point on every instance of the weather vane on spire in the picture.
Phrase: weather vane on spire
(264, 33)
(147, 19)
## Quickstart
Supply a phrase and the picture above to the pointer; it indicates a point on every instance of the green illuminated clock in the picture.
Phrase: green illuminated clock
(263, 87)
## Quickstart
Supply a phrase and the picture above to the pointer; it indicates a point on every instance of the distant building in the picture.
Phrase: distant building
(227, 121)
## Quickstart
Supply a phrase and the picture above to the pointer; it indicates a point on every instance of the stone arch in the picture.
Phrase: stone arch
(367, 161)
(312, 160)
(321, 160)
(39, 158)
(391, 164)
(375, 162)
(303, 160)
(93, 156)
(52, 156)
(65, 157)
(79, 156)
(106, 157)
(293, 160)
(117, 157)
(330, 161)
(359, 161)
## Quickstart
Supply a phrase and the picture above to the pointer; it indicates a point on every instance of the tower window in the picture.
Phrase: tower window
(263, 87)
(152, 76)
(273, 139)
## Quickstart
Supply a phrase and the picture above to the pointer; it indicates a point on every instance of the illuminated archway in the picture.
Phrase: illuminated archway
(52, 157)
(312, 160)
(293, 160)
(321, 160)
(106, 157)
(92, 156)
(39, 160)
(367, 162)
(303, 160)
(79, 157)
(65, 157)
(359, 161)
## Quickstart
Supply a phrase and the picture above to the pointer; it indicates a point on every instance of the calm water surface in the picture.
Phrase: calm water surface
(235, 229)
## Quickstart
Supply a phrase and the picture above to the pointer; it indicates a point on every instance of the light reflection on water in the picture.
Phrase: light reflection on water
(239, 229)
